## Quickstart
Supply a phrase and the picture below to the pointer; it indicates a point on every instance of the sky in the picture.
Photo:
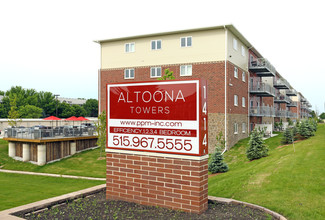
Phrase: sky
(49, 45)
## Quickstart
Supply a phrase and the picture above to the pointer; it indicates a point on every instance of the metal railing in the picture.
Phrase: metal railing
(261, 63)
(291, 92)
(282, 98)
(291, 114)
(262, 111)
(292, 104)
(281, 82)
(59, 132)
(262, 87)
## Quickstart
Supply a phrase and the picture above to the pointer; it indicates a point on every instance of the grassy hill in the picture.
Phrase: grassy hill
(287, 181)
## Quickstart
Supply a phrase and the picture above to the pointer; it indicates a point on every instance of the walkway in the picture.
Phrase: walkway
(51, 175)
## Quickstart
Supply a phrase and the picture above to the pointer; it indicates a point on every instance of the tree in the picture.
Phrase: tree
(91, 107)
(30, 111)
(256, 146)
(47, 102)
(217, 164)
(322, 116)
(101, 131)
(65, 110)
(78, 111)
(305, 129)
(13, 114)
(288, 136)
(168, 75)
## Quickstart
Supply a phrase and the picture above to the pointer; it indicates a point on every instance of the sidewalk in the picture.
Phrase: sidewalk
(51, 175)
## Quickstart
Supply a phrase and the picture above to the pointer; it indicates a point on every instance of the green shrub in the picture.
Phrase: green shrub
(256, 147)
(305, 129)
(216, 164)
(288, 136)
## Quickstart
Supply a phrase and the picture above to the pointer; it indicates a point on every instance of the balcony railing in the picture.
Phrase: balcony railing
(262, 67)
(292, 104)
(291, 92)
(262, 89)
(281, 84)
(282, 99)
(262, 111)
(290, 114)
(281, 113)
(51, 133)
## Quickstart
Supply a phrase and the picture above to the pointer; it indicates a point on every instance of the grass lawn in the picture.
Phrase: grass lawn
(82, 164)
(19, 189)
(290, 183)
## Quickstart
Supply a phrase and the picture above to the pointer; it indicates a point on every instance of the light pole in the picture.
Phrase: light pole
(56, 106)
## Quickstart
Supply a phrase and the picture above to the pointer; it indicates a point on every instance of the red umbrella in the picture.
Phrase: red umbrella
(72, 118)
(52, 118)
(82, 119)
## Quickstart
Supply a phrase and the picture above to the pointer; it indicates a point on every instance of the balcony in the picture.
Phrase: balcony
(282, 99)
(302, 99)
(290, 114)
(262, 67)
(262, 111)
(292, 104)
(281, 84)
(291, 92)
(281, 113)
(262, 89)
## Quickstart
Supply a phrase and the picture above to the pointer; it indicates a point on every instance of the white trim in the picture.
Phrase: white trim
(243, 76)
(186, 70)
(156, 44)
(130, 43)
(152, 154)
(235, 128)
(180, 43)
(155, 67)
(226, 57)
(129, 73)
(235, 100)
(235, 44)
(236, 72)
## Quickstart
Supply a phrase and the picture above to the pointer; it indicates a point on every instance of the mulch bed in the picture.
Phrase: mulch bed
(96, 206)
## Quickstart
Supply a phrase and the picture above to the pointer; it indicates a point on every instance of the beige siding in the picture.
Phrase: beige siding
(206, 46)
(235, 56)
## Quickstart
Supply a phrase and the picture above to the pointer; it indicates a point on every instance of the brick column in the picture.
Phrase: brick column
(171, 181)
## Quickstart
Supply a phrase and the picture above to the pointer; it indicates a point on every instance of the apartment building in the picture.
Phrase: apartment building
(242, 85)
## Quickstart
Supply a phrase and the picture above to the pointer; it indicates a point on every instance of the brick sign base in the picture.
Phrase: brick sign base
(150, 179)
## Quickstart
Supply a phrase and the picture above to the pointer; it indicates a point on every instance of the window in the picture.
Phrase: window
(129, 47)
(235, 44)
(236, 72)
(155, 44)
(235, 100)
(243, 127)
(155, 72)
(235, 128)
(186, 70)
(129, 74)
(252, 103)
(243, 52)
(243, 77)
(243, 101)
(186, 41)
